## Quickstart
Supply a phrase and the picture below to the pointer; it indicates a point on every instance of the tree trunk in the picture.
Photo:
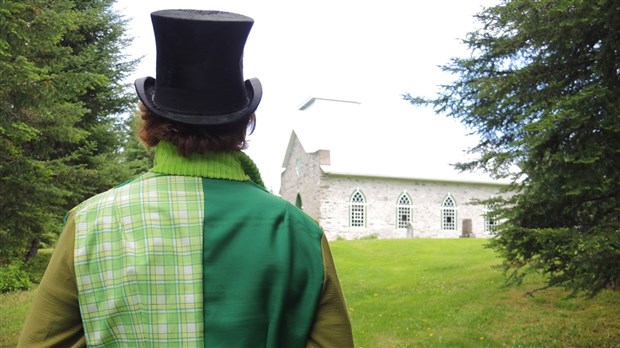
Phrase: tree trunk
(32, 250)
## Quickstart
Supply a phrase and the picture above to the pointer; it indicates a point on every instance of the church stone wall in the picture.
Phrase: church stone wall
(381, 198)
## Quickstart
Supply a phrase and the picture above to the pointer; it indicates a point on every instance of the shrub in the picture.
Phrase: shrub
(14, 277)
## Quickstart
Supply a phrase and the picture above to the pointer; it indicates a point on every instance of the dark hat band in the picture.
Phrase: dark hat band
(198, 102)
(145, 88)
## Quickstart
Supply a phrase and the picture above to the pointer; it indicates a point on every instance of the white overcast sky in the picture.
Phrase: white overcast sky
(367, 51)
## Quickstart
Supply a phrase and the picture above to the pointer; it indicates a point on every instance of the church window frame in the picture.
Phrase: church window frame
(299, 202)
(449, 210)
(404, 211)
(490, 219)
(357, 209)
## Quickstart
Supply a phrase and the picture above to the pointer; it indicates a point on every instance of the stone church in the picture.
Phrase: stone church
(355, 190)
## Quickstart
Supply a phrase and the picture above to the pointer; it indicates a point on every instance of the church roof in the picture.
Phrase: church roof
(367, 141)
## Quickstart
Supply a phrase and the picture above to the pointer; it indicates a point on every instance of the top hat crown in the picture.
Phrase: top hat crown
(199, 68)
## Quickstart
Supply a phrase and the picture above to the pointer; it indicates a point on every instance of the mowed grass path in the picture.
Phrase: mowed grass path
(448, 293)
(437, 293)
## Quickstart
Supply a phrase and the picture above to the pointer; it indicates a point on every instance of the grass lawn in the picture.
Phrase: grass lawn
(13, 311)
(437, 293)
(447, 293)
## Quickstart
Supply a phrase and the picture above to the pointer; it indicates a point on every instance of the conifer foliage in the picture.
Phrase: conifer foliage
(61, 92)
(542, 90)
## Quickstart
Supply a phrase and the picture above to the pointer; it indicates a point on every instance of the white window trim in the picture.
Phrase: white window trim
(364, 206)
(444, 209)
(408, 207)
(488, 226)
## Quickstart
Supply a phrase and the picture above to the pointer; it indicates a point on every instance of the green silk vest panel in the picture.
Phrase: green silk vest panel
(263, 269)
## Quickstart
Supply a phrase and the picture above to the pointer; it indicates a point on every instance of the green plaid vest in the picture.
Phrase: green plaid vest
(194, 254)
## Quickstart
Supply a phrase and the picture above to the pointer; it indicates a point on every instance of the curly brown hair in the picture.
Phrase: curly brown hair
(190, 139)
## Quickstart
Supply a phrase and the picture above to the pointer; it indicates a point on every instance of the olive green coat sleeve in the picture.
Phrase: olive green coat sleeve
(54, 319)
(332, 327)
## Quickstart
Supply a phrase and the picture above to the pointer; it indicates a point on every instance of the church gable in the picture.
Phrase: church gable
(301, 176)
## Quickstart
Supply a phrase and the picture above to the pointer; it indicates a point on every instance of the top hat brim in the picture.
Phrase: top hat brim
(145, 88)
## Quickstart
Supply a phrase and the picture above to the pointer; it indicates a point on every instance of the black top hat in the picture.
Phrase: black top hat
(200, 68)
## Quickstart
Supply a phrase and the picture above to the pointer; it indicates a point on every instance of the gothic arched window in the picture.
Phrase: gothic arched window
(357, 209)
(490, 218)
(448, 213)
(403, 211)
(298, 202)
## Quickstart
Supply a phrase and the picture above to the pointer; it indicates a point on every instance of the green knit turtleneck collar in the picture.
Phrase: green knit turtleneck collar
(234, 165)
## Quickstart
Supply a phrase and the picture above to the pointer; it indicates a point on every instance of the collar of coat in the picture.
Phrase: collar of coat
(234, 165)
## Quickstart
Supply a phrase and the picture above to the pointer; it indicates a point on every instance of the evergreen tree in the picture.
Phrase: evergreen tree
(542, 89)
(62, 67)
(136, 156)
